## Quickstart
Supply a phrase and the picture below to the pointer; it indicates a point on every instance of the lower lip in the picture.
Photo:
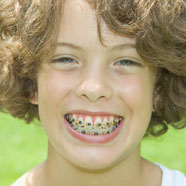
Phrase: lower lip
(91, 138)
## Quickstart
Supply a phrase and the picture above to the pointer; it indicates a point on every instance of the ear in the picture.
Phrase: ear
(34, 99)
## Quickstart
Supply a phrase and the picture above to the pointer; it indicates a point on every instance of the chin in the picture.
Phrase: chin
(93, 168)
(93, 164)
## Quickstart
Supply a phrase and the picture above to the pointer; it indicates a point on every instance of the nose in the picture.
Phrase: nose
(94, 86)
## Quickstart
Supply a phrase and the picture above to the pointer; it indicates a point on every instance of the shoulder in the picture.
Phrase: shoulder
(22, 181)
(31, 178)
(172, 177)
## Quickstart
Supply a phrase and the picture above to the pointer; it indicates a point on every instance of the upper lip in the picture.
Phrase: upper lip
(90, 113)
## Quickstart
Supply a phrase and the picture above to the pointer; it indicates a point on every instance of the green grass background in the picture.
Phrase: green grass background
(23, 146)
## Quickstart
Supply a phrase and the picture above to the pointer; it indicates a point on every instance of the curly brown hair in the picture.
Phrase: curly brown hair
(28, 35)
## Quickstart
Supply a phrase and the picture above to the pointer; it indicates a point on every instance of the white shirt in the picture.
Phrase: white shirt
(172, 177)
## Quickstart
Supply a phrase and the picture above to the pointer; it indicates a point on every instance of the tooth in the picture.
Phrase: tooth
(117, 121)
(96, 133)
(75, 127)
(67, 117)
(110, 128)
(83, 132)
(74, 117)
(80, 119)
(102, 131)
(111, 119)
(97, 120)
(105, 121)
(70, 117)
(88, 119)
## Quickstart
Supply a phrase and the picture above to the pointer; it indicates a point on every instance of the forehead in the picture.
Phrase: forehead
(79, 23)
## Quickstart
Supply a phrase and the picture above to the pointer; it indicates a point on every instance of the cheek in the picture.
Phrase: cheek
(136, 92)
(54, 85)
(53, 88)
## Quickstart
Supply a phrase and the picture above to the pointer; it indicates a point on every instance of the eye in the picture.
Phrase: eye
(65, 60)
(128, 62)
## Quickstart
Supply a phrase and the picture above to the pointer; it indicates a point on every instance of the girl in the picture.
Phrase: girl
(99, 75)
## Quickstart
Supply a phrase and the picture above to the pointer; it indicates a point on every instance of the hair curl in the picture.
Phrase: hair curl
(28, 34)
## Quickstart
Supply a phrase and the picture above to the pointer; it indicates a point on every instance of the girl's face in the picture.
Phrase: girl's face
(94, 82)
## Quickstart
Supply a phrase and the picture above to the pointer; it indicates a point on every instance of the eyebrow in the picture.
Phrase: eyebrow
(69, 45)
(111, 48)
(123, 46)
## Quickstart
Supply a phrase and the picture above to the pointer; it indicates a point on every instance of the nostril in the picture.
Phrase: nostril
(94, 90)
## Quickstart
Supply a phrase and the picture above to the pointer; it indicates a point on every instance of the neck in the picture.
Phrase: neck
(60, 172)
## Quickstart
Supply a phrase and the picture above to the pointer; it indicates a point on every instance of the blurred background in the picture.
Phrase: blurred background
(23, 146)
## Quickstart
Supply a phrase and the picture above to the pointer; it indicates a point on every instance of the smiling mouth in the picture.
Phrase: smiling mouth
(93, 125)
